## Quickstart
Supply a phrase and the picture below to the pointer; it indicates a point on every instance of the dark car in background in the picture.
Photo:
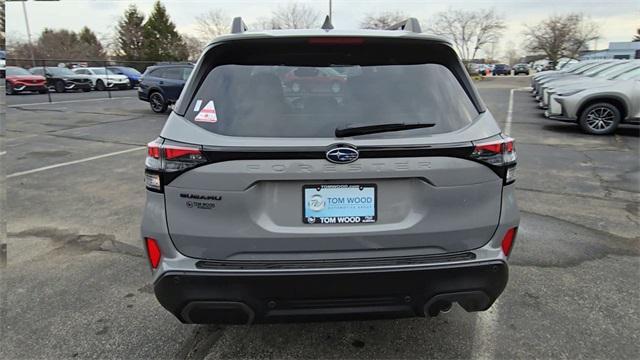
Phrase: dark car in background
(133, 74)
(501, 69)
(20, 80)
(62, 79)
(521, 69)
(306, 79)
(161, 85)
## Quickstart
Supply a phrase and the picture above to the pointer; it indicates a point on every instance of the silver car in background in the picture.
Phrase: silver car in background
(574, 75)
(599, 110)
(548, 75)
(596, 77)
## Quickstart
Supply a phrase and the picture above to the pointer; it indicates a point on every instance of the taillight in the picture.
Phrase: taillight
(508, 239)
(499, 153)
(166, 160)
(153, 252)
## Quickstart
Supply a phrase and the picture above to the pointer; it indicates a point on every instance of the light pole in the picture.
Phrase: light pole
(330, 13)
(26, 21)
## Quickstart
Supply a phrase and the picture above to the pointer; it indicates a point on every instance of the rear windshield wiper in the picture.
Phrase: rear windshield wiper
(379, 128)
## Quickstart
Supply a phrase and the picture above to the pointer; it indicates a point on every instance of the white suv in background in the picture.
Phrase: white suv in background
(102, 78)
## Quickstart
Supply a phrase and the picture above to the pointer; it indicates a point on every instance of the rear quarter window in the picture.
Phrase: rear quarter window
(311, 101)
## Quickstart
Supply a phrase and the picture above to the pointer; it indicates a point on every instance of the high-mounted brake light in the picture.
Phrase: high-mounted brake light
(336, 41)
(508, 239)
(166, 160)
(499, 153)
(153, 252)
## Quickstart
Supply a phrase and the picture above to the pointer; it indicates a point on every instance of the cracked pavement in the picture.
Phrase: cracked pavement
(76, 283)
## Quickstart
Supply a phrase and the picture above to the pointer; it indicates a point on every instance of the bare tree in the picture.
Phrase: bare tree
(468, 30)
(265, 23)
(560, 36)
(511, 53)
(212, 24)
(295, 16)
(382, 20)
(491, 51)
(194, 46)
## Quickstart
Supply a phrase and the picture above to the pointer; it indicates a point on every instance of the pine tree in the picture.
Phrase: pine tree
(129, 41)
(161, 40)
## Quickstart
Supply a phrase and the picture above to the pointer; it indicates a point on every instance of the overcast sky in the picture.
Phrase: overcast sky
(618, 19)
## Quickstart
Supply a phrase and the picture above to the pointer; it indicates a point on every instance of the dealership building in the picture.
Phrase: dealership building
(616, 50)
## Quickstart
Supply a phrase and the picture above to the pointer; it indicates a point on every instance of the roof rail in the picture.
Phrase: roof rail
(238, 26)
(411, 24)
(327, 25)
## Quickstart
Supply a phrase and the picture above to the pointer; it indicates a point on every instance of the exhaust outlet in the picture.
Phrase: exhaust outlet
(433, 309)
(446, 308)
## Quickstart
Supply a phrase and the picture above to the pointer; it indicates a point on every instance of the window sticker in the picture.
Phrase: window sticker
(197, 107)
(207, 114)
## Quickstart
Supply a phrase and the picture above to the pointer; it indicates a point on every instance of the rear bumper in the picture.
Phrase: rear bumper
(254, 297)
(142, 95)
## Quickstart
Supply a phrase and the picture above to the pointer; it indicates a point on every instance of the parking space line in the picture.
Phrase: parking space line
(507, 124)
(70, 101)
(32, 171)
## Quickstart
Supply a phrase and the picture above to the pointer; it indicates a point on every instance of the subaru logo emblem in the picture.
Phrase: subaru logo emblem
(342, 155)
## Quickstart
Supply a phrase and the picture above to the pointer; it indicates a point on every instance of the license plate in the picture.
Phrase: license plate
(339, 204)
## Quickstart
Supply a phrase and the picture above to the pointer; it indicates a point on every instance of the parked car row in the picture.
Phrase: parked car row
(42, 79)
(598, 95)
(499, 69)
(161, 85)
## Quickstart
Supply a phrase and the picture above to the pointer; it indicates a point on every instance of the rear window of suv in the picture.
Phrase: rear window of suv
(312, 101)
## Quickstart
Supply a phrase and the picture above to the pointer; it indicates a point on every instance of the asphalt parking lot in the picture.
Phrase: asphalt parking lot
(77, 282)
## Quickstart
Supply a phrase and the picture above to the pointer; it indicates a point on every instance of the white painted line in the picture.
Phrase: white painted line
(3, 153)
(71, 101)
(32, 171)
(507, 124)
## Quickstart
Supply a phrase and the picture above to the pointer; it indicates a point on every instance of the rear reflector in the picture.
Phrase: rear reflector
(507, 241)
(153, 251)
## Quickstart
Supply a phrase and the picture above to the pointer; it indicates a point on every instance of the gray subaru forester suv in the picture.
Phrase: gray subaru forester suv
(326, 174)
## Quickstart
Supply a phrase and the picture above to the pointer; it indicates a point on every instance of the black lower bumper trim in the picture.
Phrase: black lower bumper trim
(241, 298)
(346, 263)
